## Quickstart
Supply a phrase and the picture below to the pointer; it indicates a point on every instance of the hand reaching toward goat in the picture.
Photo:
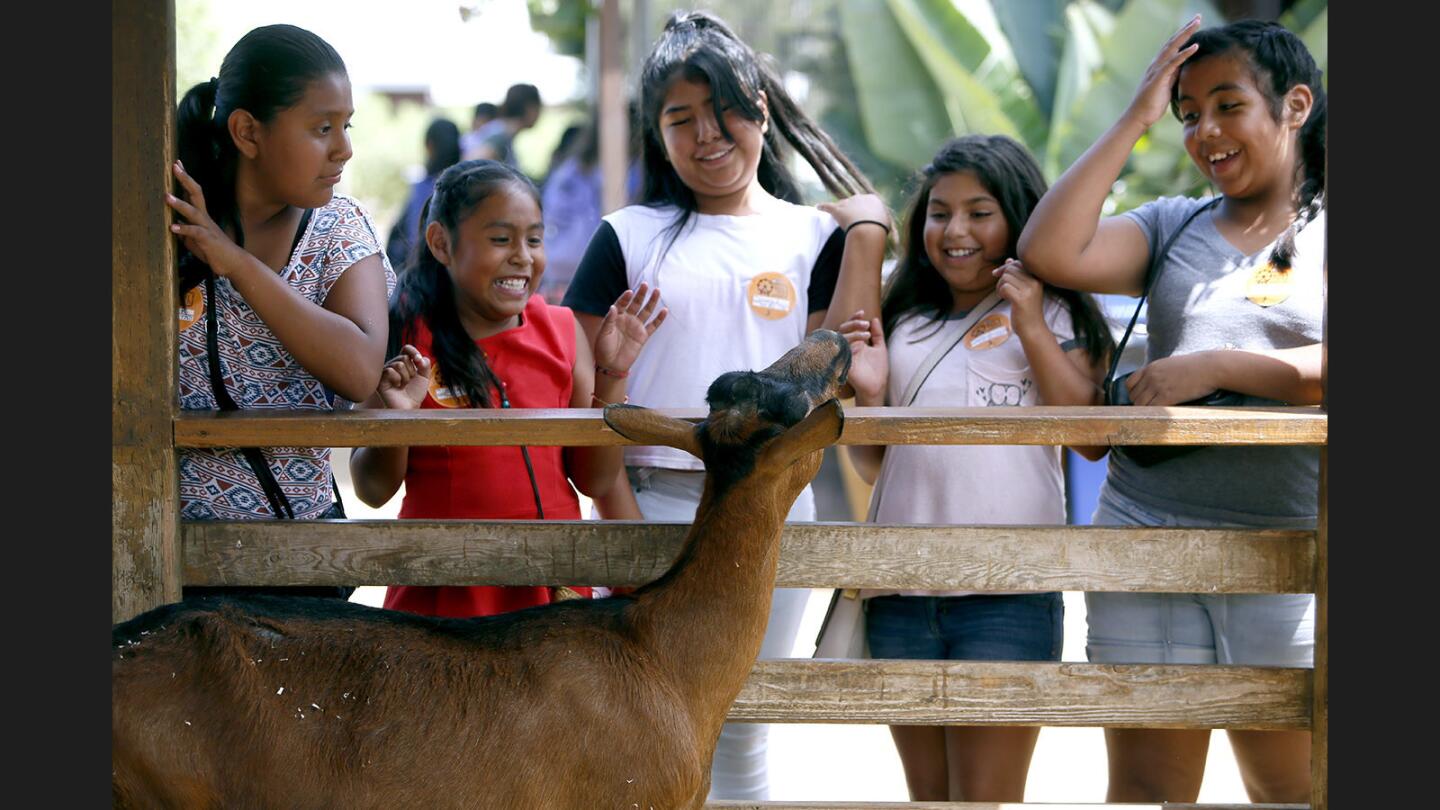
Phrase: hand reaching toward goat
(869, 359)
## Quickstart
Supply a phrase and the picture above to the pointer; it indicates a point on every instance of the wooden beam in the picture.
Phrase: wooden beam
(1024, 694)
(145, 558)
(742, 804)
(813, 555)
(1320, 735)
(583, 427)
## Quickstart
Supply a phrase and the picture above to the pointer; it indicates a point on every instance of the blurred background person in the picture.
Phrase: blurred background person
(495, 140)
(485, 112)
(442, 150)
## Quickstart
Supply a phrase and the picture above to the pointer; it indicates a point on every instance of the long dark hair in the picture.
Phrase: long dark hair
(1280, 61)
(267, 71)
(426, 290)
(701, 48)
(1009, 173)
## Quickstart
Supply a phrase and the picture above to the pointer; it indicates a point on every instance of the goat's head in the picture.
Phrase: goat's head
(772, 423)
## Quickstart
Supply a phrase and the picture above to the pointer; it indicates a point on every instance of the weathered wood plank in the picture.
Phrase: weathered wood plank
(554, 552)
(733, 804)
(742, 804)
(1320, 734)
(1024, 694)
(145, 559)
(1320, 710)
(1041, 425)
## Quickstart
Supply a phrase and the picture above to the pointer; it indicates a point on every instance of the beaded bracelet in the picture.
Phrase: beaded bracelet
(619, 375)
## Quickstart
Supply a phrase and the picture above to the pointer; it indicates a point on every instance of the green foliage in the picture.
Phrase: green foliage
(563, 21)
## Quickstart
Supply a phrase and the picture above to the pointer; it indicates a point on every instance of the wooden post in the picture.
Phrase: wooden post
(1320, 712)
(613, 114)
(145, 556)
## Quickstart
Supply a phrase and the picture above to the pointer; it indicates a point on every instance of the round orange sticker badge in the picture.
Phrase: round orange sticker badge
(1269, 285)
(991, 331)
(771, 296)
(192, 309)
(441, 393)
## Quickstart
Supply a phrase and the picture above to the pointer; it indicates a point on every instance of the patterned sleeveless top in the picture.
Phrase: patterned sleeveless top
(218, 484)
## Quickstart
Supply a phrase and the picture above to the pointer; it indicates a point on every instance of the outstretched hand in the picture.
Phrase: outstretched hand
(1152, 99)
(627, 326)
(405, 380)
(869, 358)
(199, 233)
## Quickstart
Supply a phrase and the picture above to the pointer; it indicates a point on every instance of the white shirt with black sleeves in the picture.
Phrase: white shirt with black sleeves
(739, 289)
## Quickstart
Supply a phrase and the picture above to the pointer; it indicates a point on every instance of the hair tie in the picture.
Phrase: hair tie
(214, 84)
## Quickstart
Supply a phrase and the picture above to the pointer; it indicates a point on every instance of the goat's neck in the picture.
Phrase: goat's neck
(706, 617)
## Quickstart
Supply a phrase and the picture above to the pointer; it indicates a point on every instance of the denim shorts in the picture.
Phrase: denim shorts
(1276, 630)
(981, 627)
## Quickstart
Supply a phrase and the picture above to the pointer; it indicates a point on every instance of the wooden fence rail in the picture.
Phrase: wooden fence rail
(740, 804)
(1044, 425)
(1030, 693)
(812, 555)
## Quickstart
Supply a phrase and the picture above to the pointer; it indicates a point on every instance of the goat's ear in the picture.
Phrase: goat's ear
(815, 432)
(648, 427)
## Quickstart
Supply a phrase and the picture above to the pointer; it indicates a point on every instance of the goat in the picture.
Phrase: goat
(285, 702)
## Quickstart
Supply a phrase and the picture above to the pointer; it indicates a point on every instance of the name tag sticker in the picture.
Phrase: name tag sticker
(991, 331)
(192, 309)
(441, 393)
(1269, 285)
(771, 296)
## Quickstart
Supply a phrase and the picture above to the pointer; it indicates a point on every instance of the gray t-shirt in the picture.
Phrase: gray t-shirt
(1211, 296)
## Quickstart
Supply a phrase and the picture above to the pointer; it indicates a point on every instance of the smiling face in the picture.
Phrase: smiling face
(717, 170)
(1230, 131)
(495, 257)
(966, 236)
(300, 153)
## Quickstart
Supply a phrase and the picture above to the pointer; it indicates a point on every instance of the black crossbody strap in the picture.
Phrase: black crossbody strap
(279, 504)
(1151, 274)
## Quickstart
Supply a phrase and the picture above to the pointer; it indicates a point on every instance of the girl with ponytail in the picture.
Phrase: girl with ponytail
(748, 271)
(282, 281)
(1235, 304)
(468, 330)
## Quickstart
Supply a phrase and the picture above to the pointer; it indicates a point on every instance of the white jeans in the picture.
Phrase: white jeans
(740, 769)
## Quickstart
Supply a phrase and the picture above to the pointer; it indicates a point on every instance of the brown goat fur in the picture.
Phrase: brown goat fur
(286, 702)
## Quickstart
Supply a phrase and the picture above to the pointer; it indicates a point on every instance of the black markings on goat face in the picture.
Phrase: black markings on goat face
(744, 402)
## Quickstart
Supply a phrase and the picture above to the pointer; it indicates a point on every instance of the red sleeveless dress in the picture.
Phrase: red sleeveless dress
(534, 361)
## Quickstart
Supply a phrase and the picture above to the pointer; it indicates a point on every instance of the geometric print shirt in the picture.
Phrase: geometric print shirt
(258, 372)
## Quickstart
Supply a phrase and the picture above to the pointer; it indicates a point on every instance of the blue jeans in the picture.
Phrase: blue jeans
(981, 627)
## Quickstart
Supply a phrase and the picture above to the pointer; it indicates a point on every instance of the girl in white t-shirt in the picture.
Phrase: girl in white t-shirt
(1003, 338)
(747, 272)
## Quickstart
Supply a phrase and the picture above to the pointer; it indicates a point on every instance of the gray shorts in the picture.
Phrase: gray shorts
(1194, 628)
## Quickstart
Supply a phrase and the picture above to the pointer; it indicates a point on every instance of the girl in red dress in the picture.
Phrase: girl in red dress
(469, 331)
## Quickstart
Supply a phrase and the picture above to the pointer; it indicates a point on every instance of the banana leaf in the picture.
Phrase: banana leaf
(900, 108)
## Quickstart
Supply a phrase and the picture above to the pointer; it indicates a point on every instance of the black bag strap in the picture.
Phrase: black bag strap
(1152, 273)
(279, 504)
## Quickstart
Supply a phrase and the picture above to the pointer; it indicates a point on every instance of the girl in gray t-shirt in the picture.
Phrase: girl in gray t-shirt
(1236, 306)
